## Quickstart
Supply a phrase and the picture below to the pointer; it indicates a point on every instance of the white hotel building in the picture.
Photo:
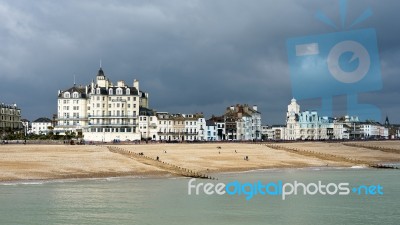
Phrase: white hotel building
(105, 112)
(101, 111)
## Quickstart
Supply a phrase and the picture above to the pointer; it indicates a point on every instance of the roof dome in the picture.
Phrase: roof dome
(100, 73)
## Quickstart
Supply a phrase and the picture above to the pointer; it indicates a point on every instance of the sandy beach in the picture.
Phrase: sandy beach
(38, 162)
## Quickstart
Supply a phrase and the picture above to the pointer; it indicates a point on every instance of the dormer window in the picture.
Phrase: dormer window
(119, 91)
(75, 95)
(110, 91)
(128, 91)
(67, 95)
(98, 91)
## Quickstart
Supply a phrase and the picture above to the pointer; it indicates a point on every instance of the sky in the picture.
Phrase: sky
(190, 55)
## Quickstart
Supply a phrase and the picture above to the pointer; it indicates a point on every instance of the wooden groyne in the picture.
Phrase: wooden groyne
(174, 169)
(371, 147)
(330, 157)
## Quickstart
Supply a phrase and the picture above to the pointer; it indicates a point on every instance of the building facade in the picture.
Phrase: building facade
(307, 125)
(10, 118)
(102, 111)
(242, 123)
(180, 127)
(42, 125)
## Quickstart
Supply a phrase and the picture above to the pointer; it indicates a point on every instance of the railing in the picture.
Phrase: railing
(112, 116)
(112, 124)
(71, 118)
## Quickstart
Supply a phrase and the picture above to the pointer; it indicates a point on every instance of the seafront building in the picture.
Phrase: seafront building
(42, 125)
(242, 123)
(220, 127)
(238, 123)
(211, 131)
(101, 111)
(275, 132)
(308, 125)
(180, 127)
(10, 118)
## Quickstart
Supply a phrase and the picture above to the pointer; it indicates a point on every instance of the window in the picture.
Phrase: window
(110, 92)
(119, 91)
(67, 95)
(75, 95)
(128, 91)
(98, 91)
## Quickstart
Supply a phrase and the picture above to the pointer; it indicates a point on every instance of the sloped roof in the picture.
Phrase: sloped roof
(42, 120)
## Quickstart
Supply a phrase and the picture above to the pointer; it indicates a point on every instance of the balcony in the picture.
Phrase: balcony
(111, 124)
(112, 116)
(118, 100)
(71, 118)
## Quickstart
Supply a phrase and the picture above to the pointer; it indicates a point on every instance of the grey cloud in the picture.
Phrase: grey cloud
(192, 56)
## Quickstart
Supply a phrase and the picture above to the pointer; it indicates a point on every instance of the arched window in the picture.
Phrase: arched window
(119, 91)
(67, 95)
(75, 95)
(98, 91)
(128, 91)
(110, 91)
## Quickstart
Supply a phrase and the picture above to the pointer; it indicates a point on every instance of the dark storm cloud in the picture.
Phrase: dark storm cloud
(191, 56)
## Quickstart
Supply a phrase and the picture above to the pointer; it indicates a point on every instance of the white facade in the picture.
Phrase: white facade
(373, 130)
(201, 127)
(211, 131)
(72, 110)
(102, 111)
(180, 127)
(148, 125)
(41, 126)
(292, 126)
(275, 133)
(307, 125)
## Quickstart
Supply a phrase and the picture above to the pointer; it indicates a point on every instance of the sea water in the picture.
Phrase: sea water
(133, 200)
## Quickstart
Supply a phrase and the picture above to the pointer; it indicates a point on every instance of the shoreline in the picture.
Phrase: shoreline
(89, 177)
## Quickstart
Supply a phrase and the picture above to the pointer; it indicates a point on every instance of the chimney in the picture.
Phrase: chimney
(136, 84)
(255, 107)
(121, 83)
